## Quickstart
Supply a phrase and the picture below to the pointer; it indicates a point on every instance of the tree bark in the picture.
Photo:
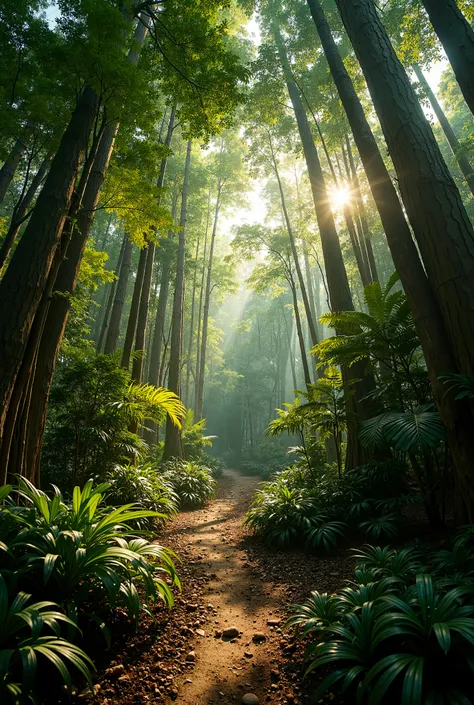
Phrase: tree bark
(21, 211)
(200, 309)
(457, 37)
(462, 160)
(113, 330)
(142, 319)
(133, 313)
(205, 322)
(24, 281)
(8, 170)
(442, 304)
(173, 446)
(191, 328)
(111, 298)
(299, 333)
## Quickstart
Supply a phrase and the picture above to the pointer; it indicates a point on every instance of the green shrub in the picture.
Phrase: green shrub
(395, 634)
(216, 465)
(193, 483)
(193, 439)
(84, 555)
(31, 632)
(313, 506)
(144, 486)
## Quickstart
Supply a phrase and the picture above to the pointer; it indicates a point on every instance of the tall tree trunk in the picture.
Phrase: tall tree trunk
(441, 227)
(111, 297)
(191, 328)
(8, 170)
(338, 284)
(173, 446)
(461, 159)
(457, 37)
(16, 428)
(299, 333)
(113, 330)
(205, 321)
(358, 234)
(21, 211)
(134, 307)
(201, 302)
(24, 281)
(362, 213)
(142, 318)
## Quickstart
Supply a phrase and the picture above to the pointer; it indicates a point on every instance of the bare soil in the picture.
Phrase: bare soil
(230, 580)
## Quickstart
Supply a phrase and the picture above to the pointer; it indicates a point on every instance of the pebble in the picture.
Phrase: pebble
(259, 636)
(248, 654)
(191, 657)
(115, 671)
(230, 633)
(200, 632)
(249, 699)
(273, 622)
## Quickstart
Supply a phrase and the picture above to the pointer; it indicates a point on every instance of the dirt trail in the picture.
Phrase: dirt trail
(226, 668)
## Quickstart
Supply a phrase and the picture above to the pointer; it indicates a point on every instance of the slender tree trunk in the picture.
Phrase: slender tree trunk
(21, 211)
(133, 313)
(111, 298)
(457, 37)
(338, 284)
(158, 333)
(191, 328)
(113, 330)
(463, 162)
(299, 332)
(207, 304)
(173, 446)
(362, 213)
(142, 318)
(201, 302)
(24, 281)
(366, 274)
(441, 227)
(8, 170)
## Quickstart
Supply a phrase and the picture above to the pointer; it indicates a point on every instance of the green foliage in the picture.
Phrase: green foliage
(317, 508)
(87, 558)
(193, 439)
(193, 483)
(401, 631)
(415, 431)
(93, 403)
(31, 633)
(142, 485)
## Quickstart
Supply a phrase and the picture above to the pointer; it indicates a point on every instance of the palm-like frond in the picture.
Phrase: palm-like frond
(146, 401)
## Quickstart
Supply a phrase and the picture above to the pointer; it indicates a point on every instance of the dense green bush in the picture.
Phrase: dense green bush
(401, 632)
(314, 507)
(93, 404)
(86, 558)
(193, 483)
(144, 486)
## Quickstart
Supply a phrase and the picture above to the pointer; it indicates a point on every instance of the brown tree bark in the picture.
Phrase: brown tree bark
(20, 213)
(25, 279)
(462, 160)
(142, 318)
(113, 330)
(201, 303)
(8, 170)
(457, 37)
(173, 446)
(133, 313)
(191, 329)
(442, 304)
(111, 297)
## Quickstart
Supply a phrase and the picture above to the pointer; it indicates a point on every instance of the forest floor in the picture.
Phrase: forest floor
(230, 582)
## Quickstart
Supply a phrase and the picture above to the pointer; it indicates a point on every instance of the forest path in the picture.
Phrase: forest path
(222, 669)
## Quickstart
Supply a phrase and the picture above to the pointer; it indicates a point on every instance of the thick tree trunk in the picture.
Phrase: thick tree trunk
(24, 281)
(21, 211)
(111, 298)
(205, 322)
(173, 446)
(457, 37)
(338, 284)
(8, 170)
(113, 330)
(441, 228)
(14, 445)
(142, 319)
(463, 162)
